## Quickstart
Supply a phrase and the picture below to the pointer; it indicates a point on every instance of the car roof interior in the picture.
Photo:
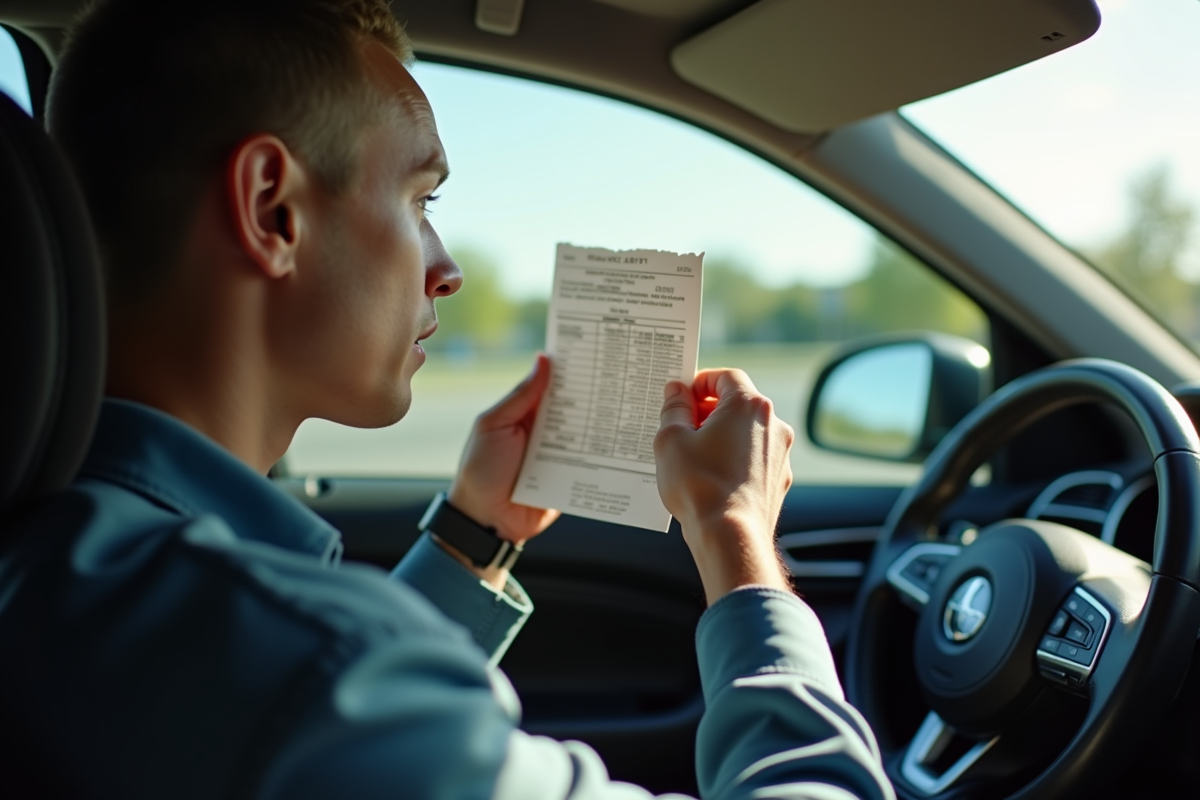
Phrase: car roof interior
(792, 68)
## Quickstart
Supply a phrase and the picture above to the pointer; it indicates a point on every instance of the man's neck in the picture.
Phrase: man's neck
(211, 373)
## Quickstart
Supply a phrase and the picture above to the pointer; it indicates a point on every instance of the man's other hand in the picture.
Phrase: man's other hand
(484, 484)
(723, 472)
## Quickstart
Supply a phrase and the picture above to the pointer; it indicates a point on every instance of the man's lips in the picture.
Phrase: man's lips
(424, 335)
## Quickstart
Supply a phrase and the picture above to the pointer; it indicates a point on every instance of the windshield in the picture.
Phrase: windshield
(1101, 145)
(12, 71)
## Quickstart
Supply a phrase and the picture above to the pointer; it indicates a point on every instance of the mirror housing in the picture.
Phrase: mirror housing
(895, 397)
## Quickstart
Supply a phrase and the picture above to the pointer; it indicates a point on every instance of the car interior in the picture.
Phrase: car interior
(1056, 465)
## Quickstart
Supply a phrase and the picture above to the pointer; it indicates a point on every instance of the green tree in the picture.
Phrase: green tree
(738, 308)
(482, 318)
(900, 293)
(1145, 258)
(896, 293)
(479, 317)
(529, 329)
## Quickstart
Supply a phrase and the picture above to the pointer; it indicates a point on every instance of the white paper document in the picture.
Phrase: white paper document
(621, 324)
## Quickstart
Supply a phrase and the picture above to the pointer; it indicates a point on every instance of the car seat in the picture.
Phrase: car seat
(51, 318)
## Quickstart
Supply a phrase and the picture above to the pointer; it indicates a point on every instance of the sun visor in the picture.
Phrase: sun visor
(813, 65)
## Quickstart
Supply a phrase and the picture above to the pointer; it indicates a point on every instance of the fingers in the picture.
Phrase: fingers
(721, 383)
(723, 391)
(710, 387)
(679, 406)
(523, 399)
(705, 408)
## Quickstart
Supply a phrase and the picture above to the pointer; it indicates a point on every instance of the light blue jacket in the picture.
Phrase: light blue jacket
(175, 626)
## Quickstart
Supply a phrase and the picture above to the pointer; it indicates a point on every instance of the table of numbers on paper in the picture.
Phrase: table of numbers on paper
(620, 325)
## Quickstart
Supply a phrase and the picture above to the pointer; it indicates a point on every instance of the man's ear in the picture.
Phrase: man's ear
(264, 183)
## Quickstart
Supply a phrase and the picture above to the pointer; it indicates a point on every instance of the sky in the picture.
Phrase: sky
(12, 72)
(1064, 136)
(533, 165)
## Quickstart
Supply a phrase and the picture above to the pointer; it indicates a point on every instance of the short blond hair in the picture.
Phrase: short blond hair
(149, 98)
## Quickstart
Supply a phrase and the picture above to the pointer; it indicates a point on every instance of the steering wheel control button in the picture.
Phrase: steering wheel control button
(914, 574)
(923, 571)
(967, 609)
(1079, 634)
(1080, 655)
(1075, 653)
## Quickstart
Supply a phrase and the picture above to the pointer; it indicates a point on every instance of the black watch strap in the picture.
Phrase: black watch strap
(479, 544)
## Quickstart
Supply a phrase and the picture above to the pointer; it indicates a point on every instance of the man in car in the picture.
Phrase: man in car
(259, 173)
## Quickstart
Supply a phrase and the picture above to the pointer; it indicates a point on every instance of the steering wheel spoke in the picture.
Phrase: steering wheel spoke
(917, 569)
(924, 766)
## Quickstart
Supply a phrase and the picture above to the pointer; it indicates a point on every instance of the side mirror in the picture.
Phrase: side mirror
(895, 399)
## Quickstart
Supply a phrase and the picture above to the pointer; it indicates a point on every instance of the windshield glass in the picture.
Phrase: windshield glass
(1101, 145)
(12, 71)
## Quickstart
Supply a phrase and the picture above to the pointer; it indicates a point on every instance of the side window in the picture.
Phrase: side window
(12, 72)
(788, 273)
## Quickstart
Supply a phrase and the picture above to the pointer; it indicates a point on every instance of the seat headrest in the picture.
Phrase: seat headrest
(51, 316)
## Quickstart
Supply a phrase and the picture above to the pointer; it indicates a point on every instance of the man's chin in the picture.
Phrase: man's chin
(376, 412)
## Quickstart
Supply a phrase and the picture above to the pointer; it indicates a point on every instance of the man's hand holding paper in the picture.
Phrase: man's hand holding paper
(723, 472)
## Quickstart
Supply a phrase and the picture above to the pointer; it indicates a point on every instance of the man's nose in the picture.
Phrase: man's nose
(442, 275)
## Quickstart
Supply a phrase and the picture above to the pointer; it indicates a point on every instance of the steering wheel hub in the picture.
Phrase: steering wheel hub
(976, 637)
(968, 609)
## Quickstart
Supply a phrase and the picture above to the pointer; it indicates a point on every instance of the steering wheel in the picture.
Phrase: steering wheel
(1039, 650)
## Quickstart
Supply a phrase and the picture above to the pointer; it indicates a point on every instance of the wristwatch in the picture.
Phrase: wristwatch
(479, 544)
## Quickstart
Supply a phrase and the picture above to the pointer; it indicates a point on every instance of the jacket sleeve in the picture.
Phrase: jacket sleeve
(776, 724)
(422, 714)
(493, 617)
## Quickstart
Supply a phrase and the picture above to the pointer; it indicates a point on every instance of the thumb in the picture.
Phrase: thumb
(522, 400)
(679, 406)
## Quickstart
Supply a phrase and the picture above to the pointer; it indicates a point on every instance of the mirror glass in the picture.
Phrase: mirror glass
(875, 403)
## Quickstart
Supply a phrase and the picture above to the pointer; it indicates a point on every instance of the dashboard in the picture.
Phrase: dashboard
(1121, 510)
(1117, 504)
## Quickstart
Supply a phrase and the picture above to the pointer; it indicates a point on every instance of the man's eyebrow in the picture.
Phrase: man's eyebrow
(436, 163)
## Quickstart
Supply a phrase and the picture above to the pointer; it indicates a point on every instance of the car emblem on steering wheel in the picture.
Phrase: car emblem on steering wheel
(967, 609)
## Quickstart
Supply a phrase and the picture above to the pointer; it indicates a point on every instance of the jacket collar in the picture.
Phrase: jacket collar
(159, 457)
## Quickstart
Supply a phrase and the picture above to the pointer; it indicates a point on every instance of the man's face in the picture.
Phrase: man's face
(375, 267)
